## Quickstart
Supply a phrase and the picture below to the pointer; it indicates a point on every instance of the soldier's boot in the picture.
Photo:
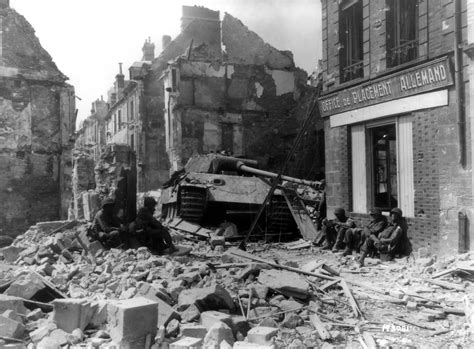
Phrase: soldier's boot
(347, 251)
(362, 259)
(326, 245)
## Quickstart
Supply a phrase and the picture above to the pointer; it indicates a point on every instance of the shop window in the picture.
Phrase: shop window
(402, 31)
(384, 166)
(350, 39)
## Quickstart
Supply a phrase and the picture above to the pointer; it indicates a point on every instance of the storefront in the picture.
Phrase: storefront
(394, 137)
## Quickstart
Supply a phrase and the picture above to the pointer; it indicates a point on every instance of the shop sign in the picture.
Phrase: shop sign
(427, 77)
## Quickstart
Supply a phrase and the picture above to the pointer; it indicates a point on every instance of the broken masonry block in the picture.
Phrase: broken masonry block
(261, 335)
(193, 330)
(10, 253)
(99, 316)
(11, 328)
(35, 314)
(131, 321)
(165, 312)
(45, 327)
(12, 303)
(212, 317)
(70, 313)
(172, 329)
(218, 333)
(25, 287)
(191, 314)
(207, 298)
(285, 282)
(412, 306)
(95, 247)
(186, 342)
(12, 315)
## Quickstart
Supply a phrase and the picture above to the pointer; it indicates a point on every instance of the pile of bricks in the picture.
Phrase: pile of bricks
(60, 291)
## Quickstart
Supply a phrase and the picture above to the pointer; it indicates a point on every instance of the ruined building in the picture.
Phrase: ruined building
(37, 120)
(397, 118)
(195, 97)
(242, 99)
(91, 136)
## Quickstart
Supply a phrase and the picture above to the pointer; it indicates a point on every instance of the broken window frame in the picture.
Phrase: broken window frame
(402, 38)
(351, 55)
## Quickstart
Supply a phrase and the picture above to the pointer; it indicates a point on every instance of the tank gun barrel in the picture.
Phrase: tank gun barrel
(241, 166)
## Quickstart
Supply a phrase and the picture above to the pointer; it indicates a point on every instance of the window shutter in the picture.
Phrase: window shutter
(405, 160)
(359, 169)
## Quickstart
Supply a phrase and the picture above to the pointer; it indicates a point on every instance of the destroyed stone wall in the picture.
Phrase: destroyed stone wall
(246, 47)
(115, 176)
(247, 105)
(37, 121)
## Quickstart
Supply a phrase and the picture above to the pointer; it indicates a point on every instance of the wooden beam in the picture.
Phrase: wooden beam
(319, 326)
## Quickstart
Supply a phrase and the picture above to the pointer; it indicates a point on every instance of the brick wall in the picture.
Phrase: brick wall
(443, 188)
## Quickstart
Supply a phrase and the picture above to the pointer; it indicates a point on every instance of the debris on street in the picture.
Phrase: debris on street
(56, 293)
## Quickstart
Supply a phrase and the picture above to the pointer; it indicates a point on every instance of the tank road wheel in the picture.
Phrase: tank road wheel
(193, 204)
(280, 217)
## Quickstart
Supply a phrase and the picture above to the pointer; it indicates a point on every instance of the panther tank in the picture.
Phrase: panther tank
(214, 188)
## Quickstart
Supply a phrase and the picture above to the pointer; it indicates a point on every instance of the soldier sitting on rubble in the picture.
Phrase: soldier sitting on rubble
(392, 241)
(356, 237)
(149, 231)
(334, 230)
(107, 227)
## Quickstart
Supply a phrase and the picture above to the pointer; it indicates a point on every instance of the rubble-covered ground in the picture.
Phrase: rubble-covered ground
(288, 295)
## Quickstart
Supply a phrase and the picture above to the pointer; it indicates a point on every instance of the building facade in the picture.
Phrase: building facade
(396, 114)
(91, 136)
(37, 121)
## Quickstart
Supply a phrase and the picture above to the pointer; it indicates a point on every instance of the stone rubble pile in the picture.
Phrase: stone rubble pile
(60, 291)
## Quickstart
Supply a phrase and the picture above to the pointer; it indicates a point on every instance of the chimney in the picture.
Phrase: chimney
(148, 50)
(120, 78)
(165, 41)
(4, 3)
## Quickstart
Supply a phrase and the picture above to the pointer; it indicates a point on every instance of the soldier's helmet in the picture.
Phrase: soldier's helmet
(149, 202)
(397, 211)
(339, 212)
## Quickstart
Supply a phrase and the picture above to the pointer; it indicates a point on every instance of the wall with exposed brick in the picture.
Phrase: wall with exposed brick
(37, 121)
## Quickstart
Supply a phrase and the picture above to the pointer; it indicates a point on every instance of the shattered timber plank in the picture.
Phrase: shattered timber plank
(355, 307)
(369, 340)
(187, 227)
(319, 326)
(239, 253)
(446, 284)
(296, 245)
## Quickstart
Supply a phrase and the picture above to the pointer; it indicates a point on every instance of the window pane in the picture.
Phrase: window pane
(350, 40)
(402, 31)
(385, 186)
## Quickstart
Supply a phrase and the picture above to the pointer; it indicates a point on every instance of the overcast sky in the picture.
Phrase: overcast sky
(88, 38)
